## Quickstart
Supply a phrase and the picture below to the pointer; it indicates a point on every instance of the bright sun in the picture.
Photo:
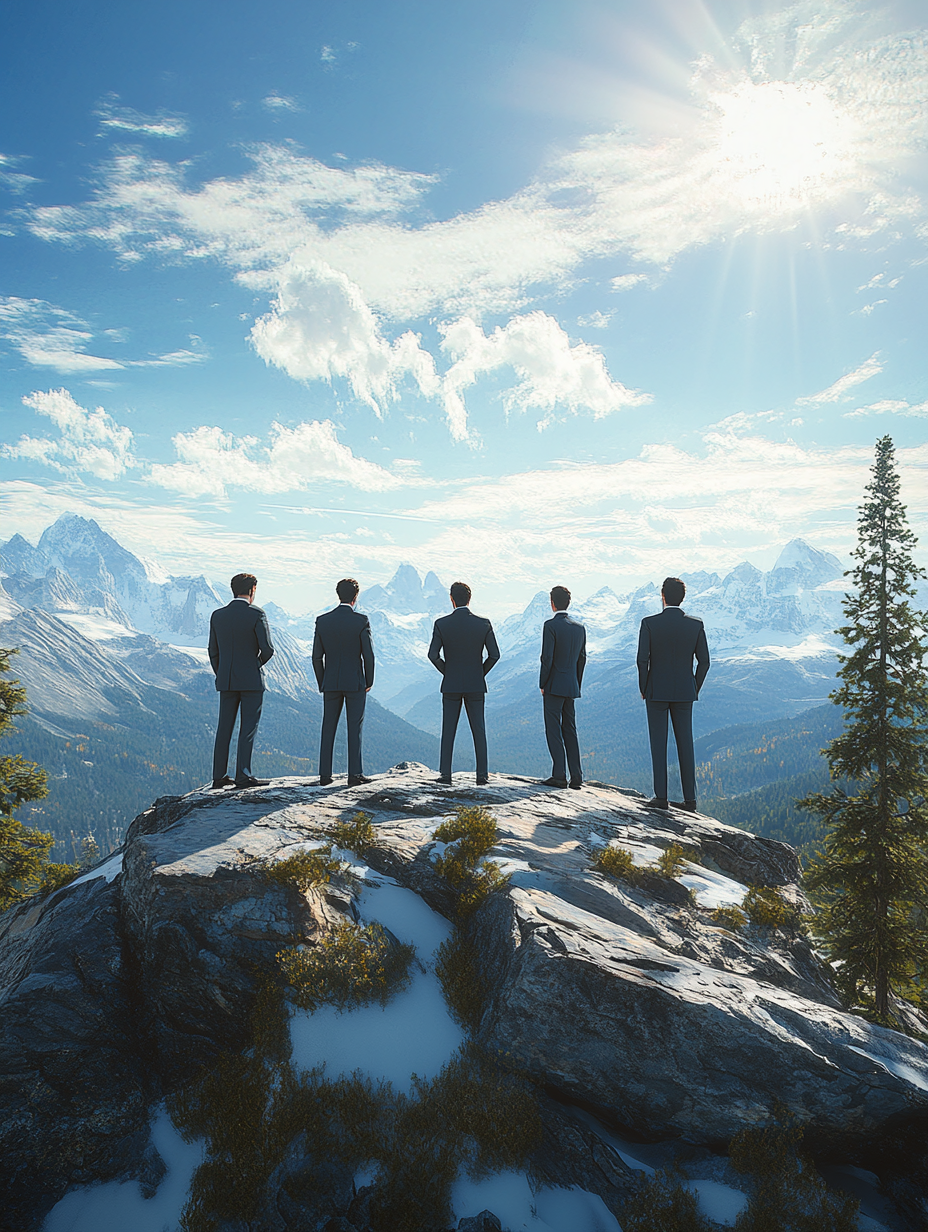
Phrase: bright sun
(780, 144)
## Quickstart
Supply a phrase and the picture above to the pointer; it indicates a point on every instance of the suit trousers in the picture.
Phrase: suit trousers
(450, 713)
(333, 699)
(681, 715)
(561, 735)
(230, 701)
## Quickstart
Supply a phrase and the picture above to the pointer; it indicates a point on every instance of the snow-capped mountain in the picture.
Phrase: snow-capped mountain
(78, 569)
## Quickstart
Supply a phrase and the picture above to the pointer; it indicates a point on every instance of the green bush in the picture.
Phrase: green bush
(768, 909)
(672, 859)
(788, 1193)
(348, 966)
(616, 862)
(732, 918)
(470, 835)
(664, 1205)
(462, 980)
(305, 869)
(357, 835)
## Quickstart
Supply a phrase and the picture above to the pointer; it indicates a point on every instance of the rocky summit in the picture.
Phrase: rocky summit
(637, 1006)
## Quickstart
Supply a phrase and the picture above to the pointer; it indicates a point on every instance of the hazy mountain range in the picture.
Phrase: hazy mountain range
(113, 653)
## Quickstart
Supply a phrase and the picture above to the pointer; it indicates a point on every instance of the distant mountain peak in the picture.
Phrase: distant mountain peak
(802, 556)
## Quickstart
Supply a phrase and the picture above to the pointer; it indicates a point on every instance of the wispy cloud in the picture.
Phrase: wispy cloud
(89, 441)
(890, 406)
(212, 462)
(278, 103)
(12, 180)
(116, 119)
(47, 336)
(841, 388)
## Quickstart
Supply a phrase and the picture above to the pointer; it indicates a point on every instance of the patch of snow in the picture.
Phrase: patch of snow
(110, 870)
(119, 1205)
(908, 1073)
(712, 889)
(413, 1033)
(509, 1196)
(199, 653)
(95, 628)
(718, 1202)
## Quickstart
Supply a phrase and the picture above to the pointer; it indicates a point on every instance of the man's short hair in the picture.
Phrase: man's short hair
(243, 584)
(673, 590)
(347, 590)
(560, 597)
(460, 594)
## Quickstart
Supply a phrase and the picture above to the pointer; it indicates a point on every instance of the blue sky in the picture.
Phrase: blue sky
(523, 293)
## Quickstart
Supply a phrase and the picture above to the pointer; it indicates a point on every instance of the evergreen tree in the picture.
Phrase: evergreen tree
(872, 874)
(24, 866)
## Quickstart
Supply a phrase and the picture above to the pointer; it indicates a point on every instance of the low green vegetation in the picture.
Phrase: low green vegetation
(664, 1205)
(357, 835)
(306, 869)
(470, 834)
(462, 979)
(767, 908)
(787, 1194)
(618, 862)
(350, 965)
(732, 918)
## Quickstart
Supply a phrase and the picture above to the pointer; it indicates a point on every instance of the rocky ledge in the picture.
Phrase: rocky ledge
(628, 1000)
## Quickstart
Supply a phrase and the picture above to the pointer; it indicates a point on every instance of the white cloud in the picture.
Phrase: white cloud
(841, 388)
(212, 461)
(625, 282)
(595, 320)
(868, 308)
(327, 55)
(51, 337)
(90, 440)
(14, 181)
(890, 406)
(276, 103)
(114, 118)
(552, 373)
(320, 328)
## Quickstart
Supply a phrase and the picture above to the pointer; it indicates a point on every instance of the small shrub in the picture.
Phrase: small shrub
(54, 876)
(765, 907)
(462, 981)
(357, 835)
(671, 860)
(470, 834)
(664, 1205)
(305, 869)
(732, 918)
(616, 862)
(349, 966)
(788, 1193)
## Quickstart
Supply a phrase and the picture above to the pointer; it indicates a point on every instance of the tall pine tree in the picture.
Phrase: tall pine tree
(872, 874)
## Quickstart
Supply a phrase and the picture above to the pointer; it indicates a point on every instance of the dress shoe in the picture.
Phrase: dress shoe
(225, 781)
(249, 780)
(576, 784)
(444, 779)
(657, 803)
(688, 806)
(355, 780)
(482, 782)
(325, 782)
(553, 782)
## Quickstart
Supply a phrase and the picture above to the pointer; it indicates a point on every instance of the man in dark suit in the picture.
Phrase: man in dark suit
(462, 637)
(343, 660)
(667, 645)
(563, 658)
(239, 646)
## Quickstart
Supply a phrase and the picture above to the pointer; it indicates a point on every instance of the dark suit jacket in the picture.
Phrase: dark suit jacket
(343, 653)
(667, 645)
(563, 656)
(239, 643)
(462, 636)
